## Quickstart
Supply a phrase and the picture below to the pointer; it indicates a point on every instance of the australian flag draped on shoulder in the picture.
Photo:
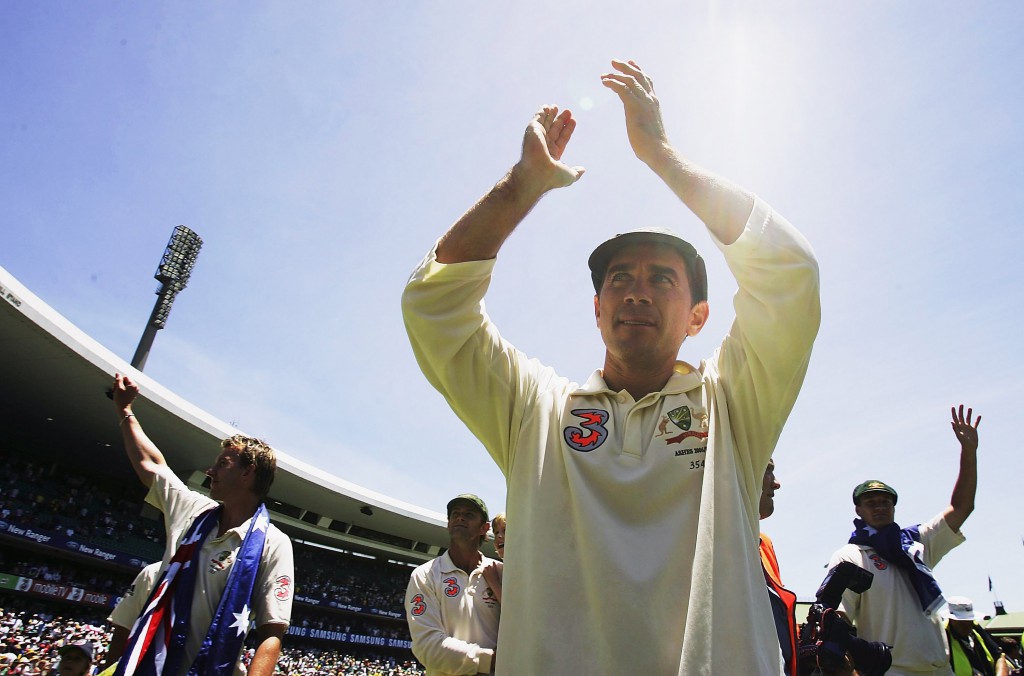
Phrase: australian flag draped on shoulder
(156, 645)
(902, 547)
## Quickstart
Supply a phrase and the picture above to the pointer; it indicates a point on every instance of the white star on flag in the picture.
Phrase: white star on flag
(262, 521)
(241, 620)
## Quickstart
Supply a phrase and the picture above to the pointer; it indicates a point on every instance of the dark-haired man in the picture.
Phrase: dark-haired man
(901, 607)
(635, 547)
(452, 611)
(783, 601)
(221, 547)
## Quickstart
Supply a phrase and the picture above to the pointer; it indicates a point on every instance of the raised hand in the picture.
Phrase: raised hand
(480, 232)
(644, 127)
(961, 502)
(124, 392)
(966, 433)
(544, 142)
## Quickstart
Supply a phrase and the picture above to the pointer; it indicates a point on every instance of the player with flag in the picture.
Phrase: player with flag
(224, 562)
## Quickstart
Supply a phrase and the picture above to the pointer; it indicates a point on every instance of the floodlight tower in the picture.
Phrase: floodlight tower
(173, 273)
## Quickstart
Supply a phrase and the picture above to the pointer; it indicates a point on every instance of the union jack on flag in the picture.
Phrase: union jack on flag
(157, 641)
(150, 641)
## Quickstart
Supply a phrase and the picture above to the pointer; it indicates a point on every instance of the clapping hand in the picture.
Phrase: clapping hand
(644, 127)
(544, 142)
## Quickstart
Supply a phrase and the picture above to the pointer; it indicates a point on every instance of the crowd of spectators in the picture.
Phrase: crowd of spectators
(40, 567)
(30, 635)
(359, 582)
(49, 498)
(48, 569)
(312, 660)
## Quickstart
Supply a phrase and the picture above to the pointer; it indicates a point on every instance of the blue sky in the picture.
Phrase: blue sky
(320, 148)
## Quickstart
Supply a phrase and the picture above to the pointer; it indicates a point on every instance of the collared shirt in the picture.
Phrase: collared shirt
(134, 600)
(890, 610)
(634, 549)
(273, 592)
(453, 617)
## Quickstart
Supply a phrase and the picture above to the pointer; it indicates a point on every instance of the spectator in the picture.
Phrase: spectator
(1012, 652)
(493, 572)
(498, 526)
(75, 659)
(900, 607)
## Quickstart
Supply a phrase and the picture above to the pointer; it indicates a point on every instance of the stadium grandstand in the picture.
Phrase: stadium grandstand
(74, 527)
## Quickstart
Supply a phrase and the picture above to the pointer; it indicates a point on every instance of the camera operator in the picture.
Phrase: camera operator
(828, 644)
(900, 608)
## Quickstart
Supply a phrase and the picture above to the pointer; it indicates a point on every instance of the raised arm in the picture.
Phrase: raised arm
(961, 503)
(481, 231)
(723, 206)
(143, 453)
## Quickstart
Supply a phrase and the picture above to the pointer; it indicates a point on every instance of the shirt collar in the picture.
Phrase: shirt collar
(448, 566)
(239, 531)
(684, 378)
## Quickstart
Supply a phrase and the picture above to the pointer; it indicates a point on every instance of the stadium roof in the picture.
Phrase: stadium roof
(53, 379)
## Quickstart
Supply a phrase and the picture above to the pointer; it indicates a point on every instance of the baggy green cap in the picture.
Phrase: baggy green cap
(469, 497)
(873, 485)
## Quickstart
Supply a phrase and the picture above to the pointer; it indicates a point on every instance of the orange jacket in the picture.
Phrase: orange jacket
(783, 605)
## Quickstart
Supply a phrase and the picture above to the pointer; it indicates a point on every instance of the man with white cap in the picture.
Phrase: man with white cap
(635, 495)
(901, 607)
(972, 651)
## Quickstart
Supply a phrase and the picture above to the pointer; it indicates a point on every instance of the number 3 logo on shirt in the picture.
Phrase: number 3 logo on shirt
(593, 433)
(451, 588)
(418, 606)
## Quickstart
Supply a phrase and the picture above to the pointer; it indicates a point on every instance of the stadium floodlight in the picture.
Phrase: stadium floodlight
(173, 273)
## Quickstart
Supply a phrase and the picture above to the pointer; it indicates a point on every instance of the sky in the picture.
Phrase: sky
(319, 149)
